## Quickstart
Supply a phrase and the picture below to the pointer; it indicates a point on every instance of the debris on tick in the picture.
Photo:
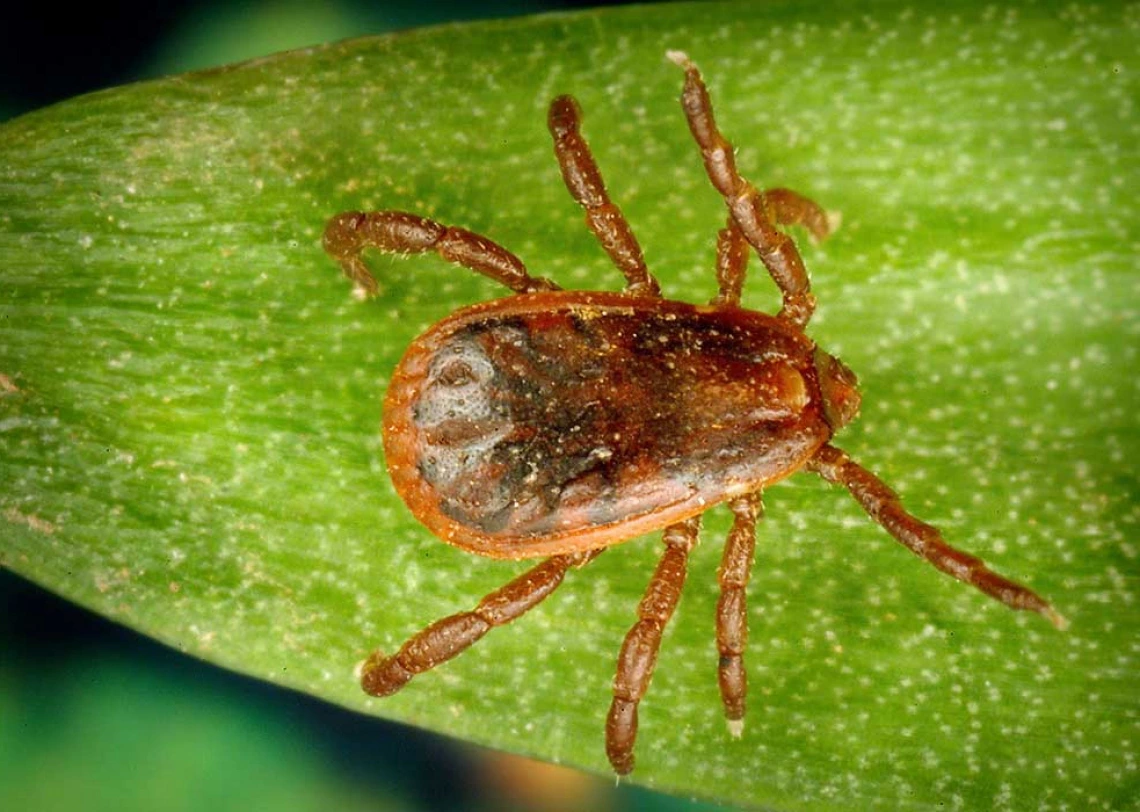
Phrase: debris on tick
(557, 423)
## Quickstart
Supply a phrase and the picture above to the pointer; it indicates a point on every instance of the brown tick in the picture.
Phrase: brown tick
(557, 423)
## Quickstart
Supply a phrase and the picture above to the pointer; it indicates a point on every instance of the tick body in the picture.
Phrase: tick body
(553, 424)
(566, 421)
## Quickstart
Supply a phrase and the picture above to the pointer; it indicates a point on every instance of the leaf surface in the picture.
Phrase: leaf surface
(190, 399)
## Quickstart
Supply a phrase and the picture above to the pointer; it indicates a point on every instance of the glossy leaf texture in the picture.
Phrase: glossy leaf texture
(190, 395)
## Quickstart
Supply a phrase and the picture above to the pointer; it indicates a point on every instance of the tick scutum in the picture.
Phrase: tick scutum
(589, 409)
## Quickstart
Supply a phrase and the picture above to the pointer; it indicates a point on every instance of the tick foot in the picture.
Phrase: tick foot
(382, 676)
(1056, 618)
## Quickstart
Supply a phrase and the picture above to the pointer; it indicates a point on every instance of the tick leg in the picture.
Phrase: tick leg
(731, 264)
(882, 504)
(790, 208)
(349, 233)
(639, 651)
(604, 218)
(731, 609)
(444, 639)
(752, 211)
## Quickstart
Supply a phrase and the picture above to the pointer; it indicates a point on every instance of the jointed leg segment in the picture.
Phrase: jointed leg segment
(604, 218)
(348, 234)
(638, 655)
(789, 208)
(442, 640)
(754, 212)
(731, 264)
(882, 504)
(731, 609)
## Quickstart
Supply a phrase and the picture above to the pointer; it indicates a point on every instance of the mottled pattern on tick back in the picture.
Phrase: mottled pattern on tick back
(587, 415)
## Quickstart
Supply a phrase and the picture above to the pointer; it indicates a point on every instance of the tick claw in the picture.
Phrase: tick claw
(1056, 618)
(834, 221)
(736, 728)
(358, 669)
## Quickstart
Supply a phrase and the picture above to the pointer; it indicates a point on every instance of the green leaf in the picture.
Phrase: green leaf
(190, 398)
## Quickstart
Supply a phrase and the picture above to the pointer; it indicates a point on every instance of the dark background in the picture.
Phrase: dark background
(51, 52)
(94, 716)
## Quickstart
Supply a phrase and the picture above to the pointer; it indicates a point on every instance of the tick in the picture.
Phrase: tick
(554, 424)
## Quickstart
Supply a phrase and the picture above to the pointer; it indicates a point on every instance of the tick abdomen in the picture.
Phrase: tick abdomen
(555, 413)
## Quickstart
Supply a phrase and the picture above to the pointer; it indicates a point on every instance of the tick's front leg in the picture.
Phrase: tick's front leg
(882, 504)
(752, 210)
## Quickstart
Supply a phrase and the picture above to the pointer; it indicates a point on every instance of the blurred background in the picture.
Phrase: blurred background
(48, 53)
(96, 717)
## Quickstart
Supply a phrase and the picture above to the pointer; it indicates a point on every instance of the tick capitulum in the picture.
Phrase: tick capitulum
(557, 423)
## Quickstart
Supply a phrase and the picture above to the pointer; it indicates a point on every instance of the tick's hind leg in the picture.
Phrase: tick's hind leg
(349, 233)
(882, 504)
(638, 655)
(604, 218)
(755, 213)
(731, 609)
(442, 640)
